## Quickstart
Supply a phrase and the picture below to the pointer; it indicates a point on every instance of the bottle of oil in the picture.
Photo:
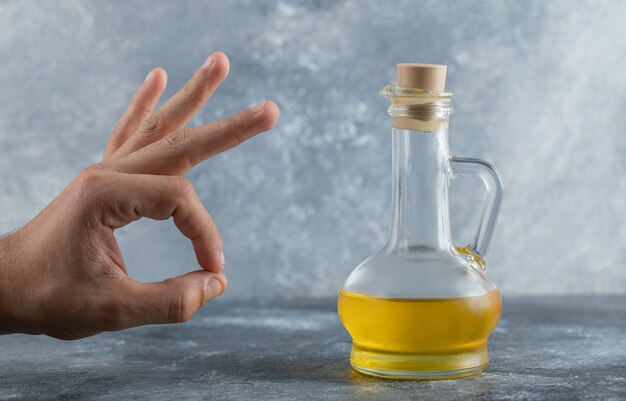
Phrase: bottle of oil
(422, 308)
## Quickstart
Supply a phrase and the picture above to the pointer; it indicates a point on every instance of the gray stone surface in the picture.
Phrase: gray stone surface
(545, 348)
(539, 91)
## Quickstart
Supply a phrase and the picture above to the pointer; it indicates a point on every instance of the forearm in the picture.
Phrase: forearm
(6, 325)
(20, 283)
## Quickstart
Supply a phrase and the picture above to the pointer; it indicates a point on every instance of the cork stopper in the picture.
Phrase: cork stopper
(430, 77)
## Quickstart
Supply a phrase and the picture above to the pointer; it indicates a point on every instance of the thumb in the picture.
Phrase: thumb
(174, 300)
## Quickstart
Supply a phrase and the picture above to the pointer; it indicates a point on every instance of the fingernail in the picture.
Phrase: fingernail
(208, 62)
(215, 286)
(258, 107)
(222, 259)
(148, 76)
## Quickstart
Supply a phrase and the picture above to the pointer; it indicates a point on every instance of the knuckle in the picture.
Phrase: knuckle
(196, 91)
(152, 124)
(120, 213)
(118, 132)
(98, 166)
(187, 90)
(90, 179)
(176, 140)
(184, 187)
(181, 308)
(234, 121)
(223, 125)
(143, 109)
(232, 125)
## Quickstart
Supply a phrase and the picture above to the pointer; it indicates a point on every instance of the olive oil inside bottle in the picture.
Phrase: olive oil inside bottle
(445, 336)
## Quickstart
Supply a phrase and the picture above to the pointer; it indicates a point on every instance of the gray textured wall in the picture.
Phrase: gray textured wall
(539, 91)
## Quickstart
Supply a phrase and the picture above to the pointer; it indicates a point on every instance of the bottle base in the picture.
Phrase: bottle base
(419, 366)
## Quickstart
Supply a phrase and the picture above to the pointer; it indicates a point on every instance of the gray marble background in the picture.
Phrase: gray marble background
(540, 91)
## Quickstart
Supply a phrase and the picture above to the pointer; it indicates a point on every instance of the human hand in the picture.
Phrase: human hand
(63, 274)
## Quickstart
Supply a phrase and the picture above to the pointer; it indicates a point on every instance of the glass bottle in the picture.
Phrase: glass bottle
(423, 308)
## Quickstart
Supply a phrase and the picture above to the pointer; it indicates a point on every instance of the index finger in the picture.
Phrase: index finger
(179, 151)
(128, 197)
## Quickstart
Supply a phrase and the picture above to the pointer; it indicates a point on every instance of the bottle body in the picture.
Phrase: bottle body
(419, 313)
(422, 308)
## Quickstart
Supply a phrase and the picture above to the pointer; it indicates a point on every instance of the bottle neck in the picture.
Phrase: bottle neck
(421, 173)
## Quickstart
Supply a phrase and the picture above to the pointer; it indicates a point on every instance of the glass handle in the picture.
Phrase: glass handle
(493, 198)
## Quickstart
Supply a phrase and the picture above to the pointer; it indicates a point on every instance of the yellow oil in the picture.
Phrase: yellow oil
(419, 338)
